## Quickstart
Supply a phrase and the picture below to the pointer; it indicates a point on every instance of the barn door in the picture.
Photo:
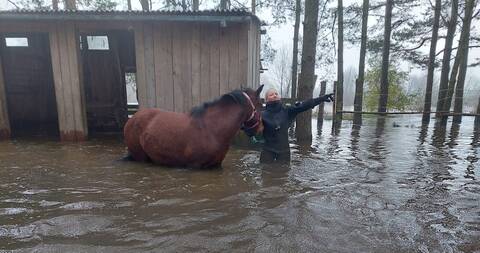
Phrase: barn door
(104, 83)
(29, 84)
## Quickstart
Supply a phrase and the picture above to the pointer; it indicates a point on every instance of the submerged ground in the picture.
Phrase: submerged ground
(379, 189)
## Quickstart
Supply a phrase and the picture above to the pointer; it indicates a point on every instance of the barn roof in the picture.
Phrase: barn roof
(236, 15)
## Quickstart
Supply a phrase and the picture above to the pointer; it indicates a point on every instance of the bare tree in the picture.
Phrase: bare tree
(195, 5)
(358, 100)
(296, 29)
(452, 25)
(427, 107)
(339, 95)
(306, 83)
(224, 4)
(477, 117)
(321, 107)
(145, 5)
(281, 65)
(70, 5)
(463, 50)
(55, 4)
(383, 97)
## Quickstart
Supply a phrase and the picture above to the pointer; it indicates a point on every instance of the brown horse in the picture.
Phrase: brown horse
(200, 139)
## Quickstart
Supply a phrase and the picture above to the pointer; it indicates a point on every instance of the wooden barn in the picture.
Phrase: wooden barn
(65, 73)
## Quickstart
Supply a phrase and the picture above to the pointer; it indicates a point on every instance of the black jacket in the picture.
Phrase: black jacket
(277, 118)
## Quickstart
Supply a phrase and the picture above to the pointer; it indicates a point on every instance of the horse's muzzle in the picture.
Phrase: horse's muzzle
(254, 125)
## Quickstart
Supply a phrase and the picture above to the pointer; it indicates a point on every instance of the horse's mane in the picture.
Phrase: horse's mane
(234, 97)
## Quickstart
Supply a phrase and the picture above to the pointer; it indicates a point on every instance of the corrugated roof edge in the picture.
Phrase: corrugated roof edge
(126, 14)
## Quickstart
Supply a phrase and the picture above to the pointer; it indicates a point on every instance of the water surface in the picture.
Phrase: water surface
(390, 186)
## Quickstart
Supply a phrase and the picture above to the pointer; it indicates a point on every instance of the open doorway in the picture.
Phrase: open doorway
(108, 64)
(29, 85)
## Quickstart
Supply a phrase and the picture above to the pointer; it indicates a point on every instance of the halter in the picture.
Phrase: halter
(254, 120)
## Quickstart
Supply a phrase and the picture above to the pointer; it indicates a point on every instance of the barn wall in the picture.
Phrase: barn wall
(67, 74)
(180, 65)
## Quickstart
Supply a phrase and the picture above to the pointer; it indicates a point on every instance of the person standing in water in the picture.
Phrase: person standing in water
(277, 118)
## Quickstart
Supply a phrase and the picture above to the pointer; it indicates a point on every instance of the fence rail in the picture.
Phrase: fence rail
(405, 113)
(132, 109)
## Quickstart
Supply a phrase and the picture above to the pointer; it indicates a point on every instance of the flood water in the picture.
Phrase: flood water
(388, 187)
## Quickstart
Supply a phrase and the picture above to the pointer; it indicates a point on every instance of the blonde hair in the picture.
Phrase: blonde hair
(268, 91)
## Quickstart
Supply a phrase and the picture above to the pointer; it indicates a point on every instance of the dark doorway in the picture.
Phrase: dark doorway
(106, 57)
(29, 85)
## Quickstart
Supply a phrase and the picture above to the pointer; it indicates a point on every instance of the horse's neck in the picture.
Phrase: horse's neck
(224, 122)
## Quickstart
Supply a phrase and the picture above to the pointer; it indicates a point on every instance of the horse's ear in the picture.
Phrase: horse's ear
(259, 90)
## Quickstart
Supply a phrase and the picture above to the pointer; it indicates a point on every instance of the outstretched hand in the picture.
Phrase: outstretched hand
(328, 97)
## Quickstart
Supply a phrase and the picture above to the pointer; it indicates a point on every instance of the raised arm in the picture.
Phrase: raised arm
(308, 104)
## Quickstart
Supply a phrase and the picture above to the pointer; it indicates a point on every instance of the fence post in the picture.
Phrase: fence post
(321, 107)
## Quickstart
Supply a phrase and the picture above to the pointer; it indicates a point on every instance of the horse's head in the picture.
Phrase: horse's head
(253, 122)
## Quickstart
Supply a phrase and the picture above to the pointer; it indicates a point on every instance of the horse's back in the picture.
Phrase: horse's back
(151, 132)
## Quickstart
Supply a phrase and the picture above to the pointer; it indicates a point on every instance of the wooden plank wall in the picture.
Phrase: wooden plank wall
(4, 121)
(253, 60)
(181, 65)
(67, 74)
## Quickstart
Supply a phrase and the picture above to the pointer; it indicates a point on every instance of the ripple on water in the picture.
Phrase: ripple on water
(13, 211)
(83, 205)
(61, 226)
(33, 191)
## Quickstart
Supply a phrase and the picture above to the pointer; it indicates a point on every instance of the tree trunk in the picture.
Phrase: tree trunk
(55, 4)
(184, 5)
(70, 5)
(358, 100)
(427, 107)
(195, 5)
(145, 5)
(458, 108)
(477, 117)
(321, 107)
(254, 6)
(339, 97)
(383, 98)
(305, 89)
(224, 4)
(296, 28)
(335, 125)
(453, 79)
(447, 53)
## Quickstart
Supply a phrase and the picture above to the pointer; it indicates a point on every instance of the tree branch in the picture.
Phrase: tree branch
(417, 47)
(16, 6)
(455, 48)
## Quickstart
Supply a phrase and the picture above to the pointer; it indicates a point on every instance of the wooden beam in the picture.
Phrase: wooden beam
(214, 43)
(205, 53)
(224, 59)
(140, 62)
(24, 26)
(195, 65)
(4, 120)
(150, 65)
(67, 71)
(243, 55)
(233, 58)
(182, 66)
(163, 65)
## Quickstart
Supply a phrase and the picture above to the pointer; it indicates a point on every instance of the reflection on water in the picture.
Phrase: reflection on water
(387, 186)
